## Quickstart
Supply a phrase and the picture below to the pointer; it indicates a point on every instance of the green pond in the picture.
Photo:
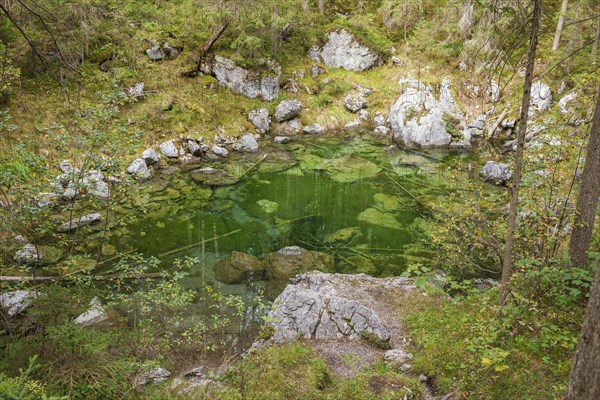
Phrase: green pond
(362, 202)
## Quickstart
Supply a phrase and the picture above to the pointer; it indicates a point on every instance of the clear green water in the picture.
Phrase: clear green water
(296, 198)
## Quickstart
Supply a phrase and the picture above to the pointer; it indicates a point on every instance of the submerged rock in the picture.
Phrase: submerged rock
(343, 236)
(386, 202)
(238, 267)
(267, 206)
(290, 261)
(17, 301)
(94, 315)
(287, 110)
(81, 221)
(32, 254)
(496, 172)
(380, 218)
(342, 50)
(350, 168)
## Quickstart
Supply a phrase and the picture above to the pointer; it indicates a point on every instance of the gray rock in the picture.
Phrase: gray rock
(291, 127)
(281, 139)
(379, 119)
(363, 115)
(164, 52)
(219, 151)
(136, 91)
(352, 125)
(150, 156)
(194, 148)
(476, 123)
(397, 359)
(94, 315)
(169, 149)
(139, 169)
(342, 50)
(508, 124)
(354, 102)
(82, 221)
(153, 376)
(67, 168)
(382, 131)
(246, 144)
(496, 172)
(260, 119)
(250, 84)
(94, 183)
(396, 61)
(313, 129)
(316, 71)
(418, 119)
(563, 104)
(493, 92)
(541, 98)
(447, 100)
(287, 110)
(318, 305)
(17, 301)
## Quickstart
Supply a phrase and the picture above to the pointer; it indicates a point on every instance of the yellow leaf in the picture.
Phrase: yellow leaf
(500, 367)
(486, 361)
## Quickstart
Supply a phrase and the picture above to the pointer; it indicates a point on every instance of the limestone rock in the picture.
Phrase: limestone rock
(290, 261)
(260, 119)
(342, 50)
(246, 144)
(139, 169)
(397, 359)
(251, 84)
(541, 98)
(17, 301)
(150, 156)
(169, 149)
(237, 268)
(417, 118)
(194, 148)
(281, 139)
(313, 129)
(94, 315)
(355, 102)
(153, 376)
(82, 221)
(496, 172)
(219, 151)
(316, 71)
(287, 110)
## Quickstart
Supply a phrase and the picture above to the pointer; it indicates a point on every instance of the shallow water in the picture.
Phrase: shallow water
(298, 197)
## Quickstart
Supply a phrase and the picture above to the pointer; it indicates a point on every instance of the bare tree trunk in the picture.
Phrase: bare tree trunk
(321, 6)
(516, 180)
(589, 193)
(559, 26)
(465, 24)
(585, 369)
(304, 4)
(595, 46)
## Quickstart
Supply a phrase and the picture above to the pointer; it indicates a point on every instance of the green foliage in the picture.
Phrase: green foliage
(23, 387)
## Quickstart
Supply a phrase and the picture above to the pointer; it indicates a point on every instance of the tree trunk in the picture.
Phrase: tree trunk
(595, 46)
(588, 195)
(516, 180)
(584, 380)
(559, 26)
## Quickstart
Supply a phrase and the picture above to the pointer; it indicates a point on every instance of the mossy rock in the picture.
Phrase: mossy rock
(343, 236)
(362, 265)
(311, 162)
(387, 203)
(267, 207)
(238, 267)
(377, 217)
(350, 169)
(218, 178)
(291, 261)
